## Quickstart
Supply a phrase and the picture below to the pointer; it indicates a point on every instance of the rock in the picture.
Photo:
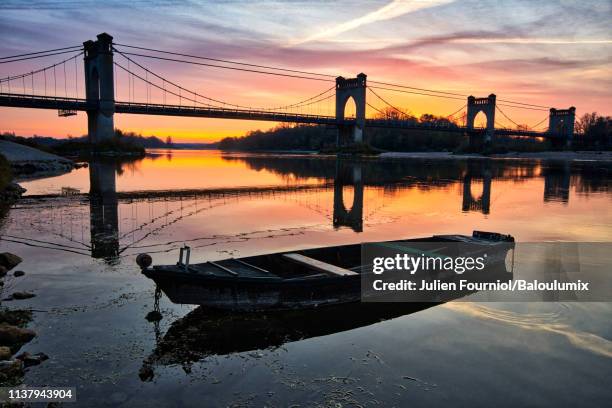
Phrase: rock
(154, 316)
(11, 193)
(18, 273)
(12, 335)
(15, 317)
(9, 261)
(9, 370)
(22, 295)
(146, 373)
(3, 271)
(5, 353)
(32, 359)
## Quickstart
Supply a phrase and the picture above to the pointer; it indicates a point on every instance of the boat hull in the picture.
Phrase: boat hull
(244, 295)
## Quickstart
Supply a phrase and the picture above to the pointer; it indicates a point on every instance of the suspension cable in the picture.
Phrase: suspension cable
(506, 116)
(40, 52)
(10, 78)
(376, 109)
(216, 100)
(393, 107)
(225, 67)
(415, 93)
(538, 124)
(457, 111)
(227, 61)
(37, 56)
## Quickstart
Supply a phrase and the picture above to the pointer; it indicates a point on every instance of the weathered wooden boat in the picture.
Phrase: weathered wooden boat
(302, 279)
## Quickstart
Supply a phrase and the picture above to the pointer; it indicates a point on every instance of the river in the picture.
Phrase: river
(92, 300)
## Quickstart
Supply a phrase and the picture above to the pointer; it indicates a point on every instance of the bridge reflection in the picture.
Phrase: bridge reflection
(104, 214)
(348, 174)
(477, 170)
(345, 194)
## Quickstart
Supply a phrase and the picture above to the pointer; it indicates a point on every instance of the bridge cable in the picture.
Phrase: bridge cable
(521, 107)
(224, 67)
(506, 116)
(415, 88)
(311, 73)
(38, 56)
(457, 111)
(41, 52)
(393, 107)
(171, 83)
(376, 109)
(539, 123)
(415, 93)
(10, 78)
(179, 87)
(227, 61)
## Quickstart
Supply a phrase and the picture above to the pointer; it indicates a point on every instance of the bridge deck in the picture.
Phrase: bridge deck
(75, 104)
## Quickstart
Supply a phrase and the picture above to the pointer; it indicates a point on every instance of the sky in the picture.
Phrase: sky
(550, 53)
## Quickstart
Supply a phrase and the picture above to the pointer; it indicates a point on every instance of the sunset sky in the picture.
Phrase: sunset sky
(552, 53)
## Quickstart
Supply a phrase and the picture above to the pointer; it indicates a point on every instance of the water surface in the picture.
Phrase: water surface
(79, 258)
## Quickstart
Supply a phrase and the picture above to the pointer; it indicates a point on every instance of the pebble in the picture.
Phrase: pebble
(22, 295)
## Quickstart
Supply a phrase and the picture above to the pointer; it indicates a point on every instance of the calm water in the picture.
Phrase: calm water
(79, 260)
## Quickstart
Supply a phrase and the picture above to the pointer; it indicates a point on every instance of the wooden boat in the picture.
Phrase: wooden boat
(289, 280)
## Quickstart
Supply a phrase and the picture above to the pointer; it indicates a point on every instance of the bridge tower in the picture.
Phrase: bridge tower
(486, 106)
(561, 125)
(347, 88)
(99, 88)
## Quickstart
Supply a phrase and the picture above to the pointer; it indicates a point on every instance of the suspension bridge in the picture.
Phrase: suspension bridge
(126, 85)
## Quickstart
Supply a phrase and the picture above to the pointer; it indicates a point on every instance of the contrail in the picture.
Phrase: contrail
(394, 9)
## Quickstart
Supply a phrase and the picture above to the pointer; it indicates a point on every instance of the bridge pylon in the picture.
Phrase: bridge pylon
(347, 88)
(99, 88)
(474, 107)
(561, 126)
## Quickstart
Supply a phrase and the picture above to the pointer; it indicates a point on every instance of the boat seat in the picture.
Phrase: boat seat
(318, 265)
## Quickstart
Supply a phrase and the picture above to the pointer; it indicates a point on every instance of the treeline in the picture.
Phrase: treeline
(283, 137)
(593, 131)
(316, 137)
(122, 142)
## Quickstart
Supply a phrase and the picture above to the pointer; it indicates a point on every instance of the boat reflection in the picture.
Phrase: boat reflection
(206, 332)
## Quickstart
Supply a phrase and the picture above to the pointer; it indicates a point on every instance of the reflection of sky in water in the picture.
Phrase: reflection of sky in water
(458, 353)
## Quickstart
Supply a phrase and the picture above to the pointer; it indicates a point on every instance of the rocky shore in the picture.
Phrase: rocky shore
(27, 162)
(13, 328)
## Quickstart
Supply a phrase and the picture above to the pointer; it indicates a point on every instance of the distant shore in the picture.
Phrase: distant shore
(603, 156)
(551, 155)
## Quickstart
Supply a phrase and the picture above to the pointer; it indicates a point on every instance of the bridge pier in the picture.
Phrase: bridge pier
(99, 88)
(561, 125)
(486, 106)
(347, 88)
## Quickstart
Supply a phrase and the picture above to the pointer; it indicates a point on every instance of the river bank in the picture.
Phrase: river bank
(28, 162)
(549, 155)
(14, 333)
